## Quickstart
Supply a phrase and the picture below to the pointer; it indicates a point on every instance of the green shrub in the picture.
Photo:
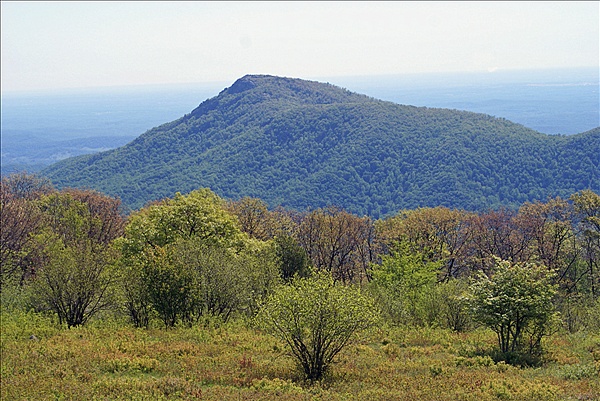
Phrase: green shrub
(317, 318)
(516, 303)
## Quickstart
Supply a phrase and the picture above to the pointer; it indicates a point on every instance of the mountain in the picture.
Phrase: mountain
(304, 144)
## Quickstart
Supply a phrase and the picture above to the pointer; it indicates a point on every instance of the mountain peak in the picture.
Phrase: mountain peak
(243, 84)
(305, 144)
(300, 91)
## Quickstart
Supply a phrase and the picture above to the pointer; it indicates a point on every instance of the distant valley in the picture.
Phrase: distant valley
(39, 129)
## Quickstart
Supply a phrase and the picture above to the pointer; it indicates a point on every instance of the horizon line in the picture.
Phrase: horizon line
(321, 78)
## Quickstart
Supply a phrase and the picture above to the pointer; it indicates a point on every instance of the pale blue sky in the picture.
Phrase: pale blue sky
(52, 45)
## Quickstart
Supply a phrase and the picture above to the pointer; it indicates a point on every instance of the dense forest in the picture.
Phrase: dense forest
(498, 284)
(302, 144)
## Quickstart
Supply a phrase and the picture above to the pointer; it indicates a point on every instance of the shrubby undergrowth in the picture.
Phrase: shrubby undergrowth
(202, 267)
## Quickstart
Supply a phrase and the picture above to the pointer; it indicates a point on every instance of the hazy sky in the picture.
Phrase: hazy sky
(50, 45)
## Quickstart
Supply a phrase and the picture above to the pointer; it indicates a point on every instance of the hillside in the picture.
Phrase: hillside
(304, 144)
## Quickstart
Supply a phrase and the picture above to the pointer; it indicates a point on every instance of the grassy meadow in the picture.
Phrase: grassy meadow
(110, 360)
(206, 282)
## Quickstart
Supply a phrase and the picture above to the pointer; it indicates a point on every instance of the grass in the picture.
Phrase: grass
(112, 361)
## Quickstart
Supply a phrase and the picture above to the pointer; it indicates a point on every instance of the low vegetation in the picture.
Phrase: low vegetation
(109, 359)
(195, 297)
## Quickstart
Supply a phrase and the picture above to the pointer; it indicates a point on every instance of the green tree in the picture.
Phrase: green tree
(171, 287)
(227, 282)
(200, 214)
(292, 258)
(404, 283)
(75, 272)
(148, 253)
(317, 318)
(187, 257)
(263, 273)
(449, 303)
(135, 297)
(75, 282)
(516, 303)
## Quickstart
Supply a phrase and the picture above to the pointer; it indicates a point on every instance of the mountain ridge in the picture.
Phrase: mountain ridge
(305, 144)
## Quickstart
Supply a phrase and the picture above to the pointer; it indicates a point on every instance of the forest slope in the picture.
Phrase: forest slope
(305, 144)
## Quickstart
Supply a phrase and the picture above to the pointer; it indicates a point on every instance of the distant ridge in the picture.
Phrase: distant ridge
(304, 144)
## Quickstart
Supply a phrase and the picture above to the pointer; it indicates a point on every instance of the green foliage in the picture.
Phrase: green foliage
(292, 258)
(579, 312)
(516, 303)
(404, 283)
(156, 278)
(186, 258)
(450, 305)
(317, 318)
(225, 282)
(303, 144)
(262, 273)
(170, 287)
(199, 214)
(76, 282)
(75, 272)
(135, 298)
(190, 279)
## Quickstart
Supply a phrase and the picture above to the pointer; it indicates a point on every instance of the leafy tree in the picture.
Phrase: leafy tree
(187, 257)
(292, 258)
(317, 318)
(262, 271)
(199, 214)
(170, 287)
(76, 282)
(135, 295)
(404, 283)
(75, 272)
(148, 250)
(227, 282)
(516, 303)
(450, 306)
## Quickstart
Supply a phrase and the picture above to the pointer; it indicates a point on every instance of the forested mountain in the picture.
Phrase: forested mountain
(304, 144)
